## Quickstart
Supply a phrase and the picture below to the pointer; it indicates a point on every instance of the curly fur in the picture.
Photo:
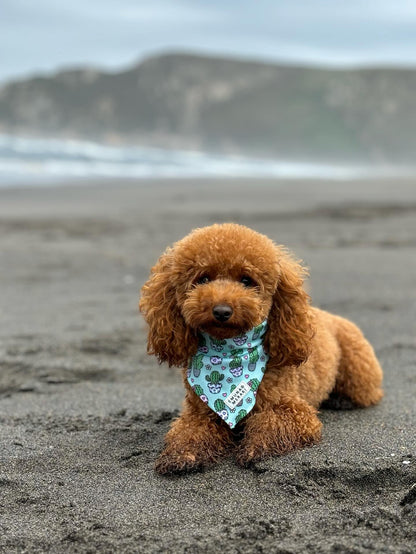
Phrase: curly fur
(312, 353)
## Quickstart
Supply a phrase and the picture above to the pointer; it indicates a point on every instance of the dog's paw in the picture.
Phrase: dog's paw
(247, 456)
(175, 463)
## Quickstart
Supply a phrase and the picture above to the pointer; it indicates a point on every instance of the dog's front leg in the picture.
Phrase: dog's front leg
(196, 439)
(277, 429)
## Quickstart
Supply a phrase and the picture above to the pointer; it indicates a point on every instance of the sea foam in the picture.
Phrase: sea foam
(35, 160)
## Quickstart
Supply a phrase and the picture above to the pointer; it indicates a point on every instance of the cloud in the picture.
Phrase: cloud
(46, 34)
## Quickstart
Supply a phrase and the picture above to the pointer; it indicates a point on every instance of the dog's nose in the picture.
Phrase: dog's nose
(222, 312)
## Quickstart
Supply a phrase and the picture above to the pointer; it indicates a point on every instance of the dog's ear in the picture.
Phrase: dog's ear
(169, 338)
(290, 321)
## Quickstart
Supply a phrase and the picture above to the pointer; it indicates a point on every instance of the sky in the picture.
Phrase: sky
(47, 35)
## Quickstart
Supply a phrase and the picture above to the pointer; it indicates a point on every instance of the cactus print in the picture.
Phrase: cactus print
(239, 341)
(214, 385)
(236, 365)
(219, 405)
(215, 377)
(256, 332)
(236, 371)
(222, 366)
(253, 357)
(254, 384)
(197, 364)
(223, 414)
(217, 344)
(198, 390)
(240, 415)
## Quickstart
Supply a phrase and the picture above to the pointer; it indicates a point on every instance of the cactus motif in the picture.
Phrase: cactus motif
(236, 371)
(236, 366)
(254, 384)
(219, 405)
(240, 340)
(202, 344)
(214, 379)
(223, 414)
(215, 360)
(217, 344)
(197, 364)
(198, 390)
(256, 332)
(253, 357)
(240, 415)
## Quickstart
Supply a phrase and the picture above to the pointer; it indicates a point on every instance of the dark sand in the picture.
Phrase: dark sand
(83, 410)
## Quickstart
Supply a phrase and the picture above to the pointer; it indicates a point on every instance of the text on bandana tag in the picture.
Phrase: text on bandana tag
(237, 395)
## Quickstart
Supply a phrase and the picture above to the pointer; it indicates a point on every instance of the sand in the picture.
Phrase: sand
(83, 409)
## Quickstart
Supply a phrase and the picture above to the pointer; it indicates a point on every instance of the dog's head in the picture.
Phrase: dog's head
(224, 280)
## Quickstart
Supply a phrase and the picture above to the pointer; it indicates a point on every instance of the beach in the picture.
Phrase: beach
(84, 409)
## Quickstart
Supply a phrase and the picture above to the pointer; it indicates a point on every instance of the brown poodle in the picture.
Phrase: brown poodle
(221, 282)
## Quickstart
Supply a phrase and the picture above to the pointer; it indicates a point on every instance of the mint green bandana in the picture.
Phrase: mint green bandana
(226, 373)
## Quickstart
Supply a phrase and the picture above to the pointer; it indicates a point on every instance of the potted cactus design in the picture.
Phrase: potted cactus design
(217, 344)
(254, 384)
(214, 379)
(240, 340)
(219, 405)
(240, 415)
(198, 390)
(223, 414)
(253, 357)
(197, 364)
(202, 344)
(256, 332)
(220, 409)
(236, 366)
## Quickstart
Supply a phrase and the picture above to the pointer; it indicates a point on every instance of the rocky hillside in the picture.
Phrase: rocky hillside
(225, 105)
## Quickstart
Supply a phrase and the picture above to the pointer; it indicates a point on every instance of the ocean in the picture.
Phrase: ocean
(43, 161)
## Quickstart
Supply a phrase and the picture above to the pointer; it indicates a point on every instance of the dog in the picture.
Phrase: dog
(228, 306)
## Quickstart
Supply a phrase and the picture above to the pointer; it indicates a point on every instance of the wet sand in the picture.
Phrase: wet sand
(83, 409)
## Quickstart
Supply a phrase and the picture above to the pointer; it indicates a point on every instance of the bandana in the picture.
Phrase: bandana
(226, 373)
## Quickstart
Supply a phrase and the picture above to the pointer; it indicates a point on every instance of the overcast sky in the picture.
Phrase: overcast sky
(43, 35)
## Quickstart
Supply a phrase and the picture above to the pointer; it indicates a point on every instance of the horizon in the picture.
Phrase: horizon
(301, 64)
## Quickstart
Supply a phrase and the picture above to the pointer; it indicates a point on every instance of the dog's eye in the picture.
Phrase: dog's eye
(203, 280)
(247, 281)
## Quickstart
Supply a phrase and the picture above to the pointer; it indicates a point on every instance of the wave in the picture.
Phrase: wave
(31, 160)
